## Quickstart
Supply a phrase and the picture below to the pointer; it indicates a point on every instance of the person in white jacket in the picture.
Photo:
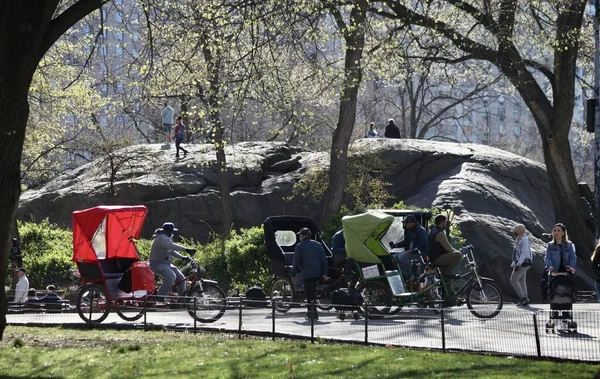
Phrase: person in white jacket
(522, 260)
(22, 286)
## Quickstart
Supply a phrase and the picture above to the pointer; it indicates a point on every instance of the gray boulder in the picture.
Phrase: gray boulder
(491, 190)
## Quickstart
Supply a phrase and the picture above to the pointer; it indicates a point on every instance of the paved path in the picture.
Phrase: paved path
(511, 332)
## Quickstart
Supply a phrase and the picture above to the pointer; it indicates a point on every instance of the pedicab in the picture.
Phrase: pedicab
(114, 278)
(281, 239)
(381, 282)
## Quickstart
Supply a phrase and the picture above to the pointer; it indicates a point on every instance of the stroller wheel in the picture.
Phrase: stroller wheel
(356, 316)
(342, 316)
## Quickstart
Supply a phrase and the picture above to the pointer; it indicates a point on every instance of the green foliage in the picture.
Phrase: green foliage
(47, 251)
(241, 260)
(247, 258)
(364, 186)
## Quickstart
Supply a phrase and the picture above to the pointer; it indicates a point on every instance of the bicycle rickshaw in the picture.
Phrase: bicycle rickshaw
(281, 239)
(381, 282)
(114, 278)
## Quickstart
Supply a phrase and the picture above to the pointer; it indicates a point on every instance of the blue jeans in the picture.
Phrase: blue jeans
(404, 261)
(170, 275)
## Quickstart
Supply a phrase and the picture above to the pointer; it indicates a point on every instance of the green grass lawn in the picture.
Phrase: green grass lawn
(69, 353)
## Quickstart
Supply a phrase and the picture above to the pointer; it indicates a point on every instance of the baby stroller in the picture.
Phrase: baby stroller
(561, 293)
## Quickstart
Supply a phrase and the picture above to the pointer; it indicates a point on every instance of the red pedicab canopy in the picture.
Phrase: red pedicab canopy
(107, 231)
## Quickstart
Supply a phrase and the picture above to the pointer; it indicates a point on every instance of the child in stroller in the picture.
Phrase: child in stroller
(561, 294)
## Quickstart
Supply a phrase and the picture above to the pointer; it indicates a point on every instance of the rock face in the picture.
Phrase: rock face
(491, 190)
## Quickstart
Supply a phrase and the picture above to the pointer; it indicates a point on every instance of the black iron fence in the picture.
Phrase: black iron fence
(519, 332)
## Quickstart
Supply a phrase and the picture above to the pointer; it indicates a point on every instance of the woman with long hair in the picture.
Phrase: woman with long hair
(522, 260)
(596, 267)
(560, 253)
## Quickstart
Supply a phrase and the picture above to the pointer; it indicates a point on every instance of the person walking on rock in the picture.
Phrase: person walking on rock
(179, 137)
(522, 260)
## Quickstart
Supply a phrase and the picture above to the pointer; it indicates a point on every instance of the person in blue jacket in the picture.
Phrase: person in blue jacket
(560, 253)
(415, 240)
(310, 260)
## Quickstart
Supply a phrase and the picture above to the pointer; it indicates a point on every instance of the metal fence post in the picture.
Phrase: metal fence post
(240, 319)
(443, 330)
(366, 325)
(145, 312)
(195, 314)
(537, 336)
(273, 317)
(312, 311)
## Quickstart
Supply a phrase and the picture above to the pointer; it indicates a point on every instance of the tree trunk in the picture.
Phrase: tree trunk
(338, 166)
(565, 194)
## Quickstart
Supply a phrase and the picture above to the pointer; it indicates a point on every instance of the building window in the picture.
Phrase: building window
(103, 50)
(86, 29)
(517, 130)
(119, 51)
(118, 17)
(501, 128)
(135, 36)
(119, 35)
(119, 2)
(104, 89)
(119, 86)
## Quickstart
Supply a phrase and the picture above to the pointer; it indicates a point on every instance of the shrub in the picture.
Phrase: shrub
(47, 251)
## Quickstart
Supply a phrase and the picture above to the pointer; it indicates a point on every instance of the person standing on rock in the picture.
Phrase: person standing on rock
(522, 260)
(180, 137)
(391, 130)
(372, 132)
(167, 122)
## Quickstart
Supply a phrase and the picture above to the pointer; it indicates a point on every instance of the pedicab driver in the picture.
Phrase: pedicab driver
(161, 253)
(311, 261)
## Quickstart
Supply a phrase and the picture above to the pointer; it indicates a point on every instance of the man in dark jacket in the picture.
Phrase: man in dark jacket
(415, 241)
(311, 261)
(391, 130)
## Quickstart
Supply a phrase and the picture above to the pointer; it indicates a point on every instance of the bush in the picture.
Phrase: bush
(241, 260)
(47, 252)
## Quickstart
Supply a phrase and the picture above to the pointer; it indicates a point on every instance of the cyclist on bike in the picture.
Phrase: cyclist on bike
(160, 259)
(443, 255)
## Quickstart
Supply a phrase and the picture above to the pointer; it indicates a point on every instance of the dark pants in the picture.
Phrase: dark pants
(178, 142)
(310, 289)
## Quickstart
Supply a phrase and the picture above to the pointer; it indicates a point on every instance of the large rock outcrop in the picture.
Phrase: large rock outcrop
(490, 189)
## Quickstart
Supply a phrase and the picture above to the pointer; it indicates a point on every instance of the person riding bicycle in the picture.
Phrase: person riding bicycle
(415, 241)
(160, 259)
(443, 255)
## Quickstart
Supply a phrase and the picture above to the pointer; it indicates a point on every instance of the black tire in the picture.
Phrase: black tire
(130, 310)
(484, 302)
(282, 294)
(324, 302)
(92, 303)
(210, 303)
(377, 298)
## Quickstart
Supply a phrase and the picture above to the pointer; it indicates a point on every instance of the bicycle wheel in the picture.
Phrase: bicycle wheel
(282, 292)
(377, 297)
(485, 301)
(92, 304)
(210, 303)
(130, 310)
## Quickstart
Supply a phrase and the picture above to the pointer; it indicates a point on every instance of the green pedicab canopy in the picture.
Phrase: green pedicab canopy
(363, 233)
